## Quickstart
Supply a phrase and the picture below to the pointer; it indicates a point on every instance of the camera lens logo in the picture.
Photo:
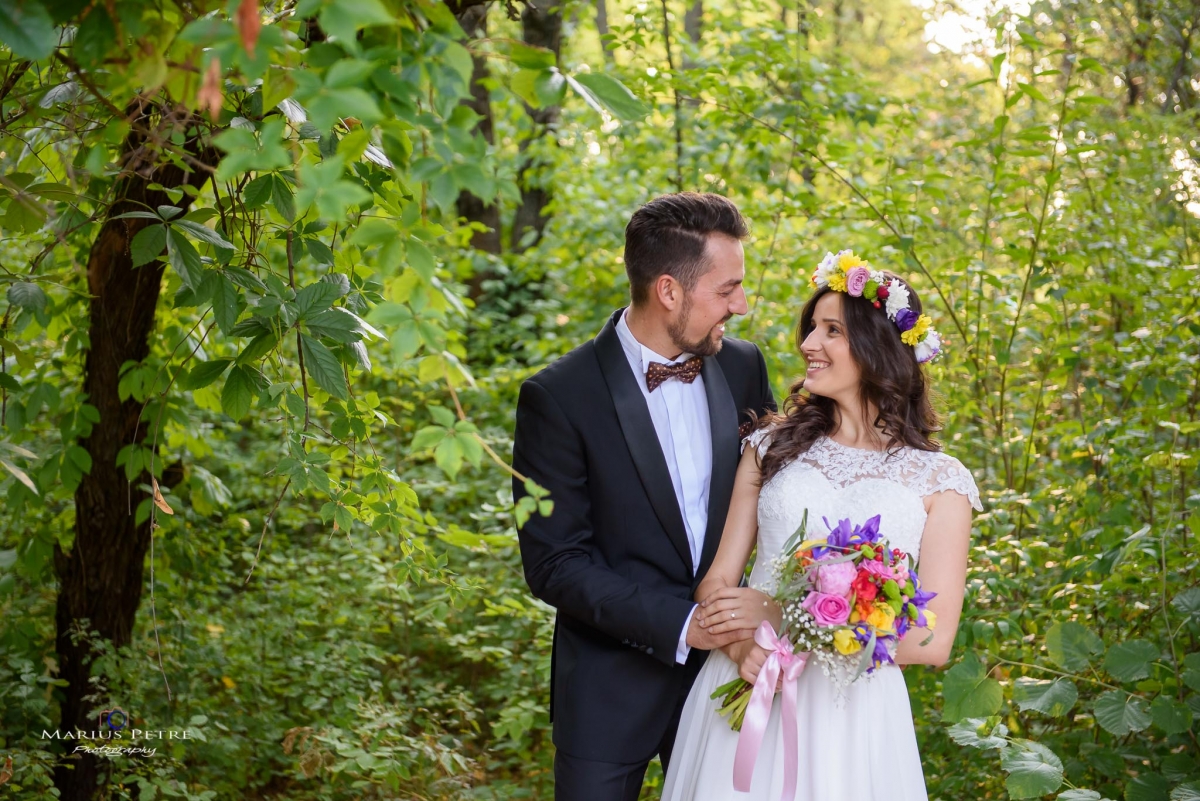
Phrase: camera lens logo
(115, 719)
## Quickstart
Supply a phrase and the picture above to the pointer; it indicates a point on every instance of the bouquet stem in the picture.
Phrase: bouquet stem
(735, 697)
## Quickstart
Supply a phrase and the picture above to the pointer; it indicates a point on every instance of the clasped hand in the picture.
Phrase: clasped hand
(740, 609)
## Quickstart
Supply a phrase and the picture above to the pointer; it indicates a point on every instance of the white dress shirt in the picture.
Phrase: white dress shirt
(680, 415)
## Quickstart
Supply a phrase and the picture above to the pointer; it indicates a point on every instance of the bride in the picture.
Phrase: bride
(857, 444)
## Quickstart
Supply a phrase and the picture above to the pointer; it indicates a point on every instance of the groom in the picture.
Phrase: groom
(635, 435)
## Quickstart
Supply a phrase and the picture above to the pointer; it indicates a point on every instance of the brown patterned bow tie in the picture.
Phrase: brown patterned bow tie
(686, 372)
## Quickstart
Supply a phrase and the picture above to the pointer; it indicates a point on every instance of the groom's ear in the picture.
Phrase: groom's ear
(668, 291)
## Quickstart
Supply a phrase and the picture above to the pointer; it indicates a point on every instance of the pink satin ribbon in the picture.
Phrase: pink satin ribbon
(780, 658)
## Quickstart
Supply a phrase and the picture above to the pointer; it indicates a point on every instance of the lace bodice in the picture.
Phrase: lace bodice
(834, 481)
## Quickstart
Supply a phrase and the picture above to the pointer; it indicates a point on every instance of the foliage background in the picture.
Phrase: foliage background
(338, 607)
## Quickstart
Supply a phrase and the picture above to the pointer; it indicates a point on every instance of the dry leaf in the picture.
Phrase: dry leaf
(159, 501)
(7, 772)
(249, 24)
(210, 97)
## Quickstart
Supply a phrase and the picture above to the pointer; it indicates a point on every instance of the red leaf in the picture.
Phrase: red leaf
(249, 23)
(210, 91)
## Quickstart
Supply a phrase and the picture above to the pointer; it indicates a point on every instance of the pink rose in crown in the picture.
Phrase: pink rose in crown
(836, 579)
(856, 281)
(827, 610)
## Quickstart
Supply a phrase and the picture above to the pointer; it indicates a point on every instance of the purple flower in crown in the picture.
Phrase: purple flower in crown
(906, 319)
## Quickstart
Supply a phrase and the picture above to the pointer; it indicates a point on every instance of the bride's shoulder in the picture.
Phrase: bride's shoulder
(760, 438)
(944, 473)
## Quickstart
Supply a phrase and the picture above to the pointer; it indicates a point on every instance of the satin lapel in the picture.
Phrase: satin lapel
(723, 421)
(640, 437)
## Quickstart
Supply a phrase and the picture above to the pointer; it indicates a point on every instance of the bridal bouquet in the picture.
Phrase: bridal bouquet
(847, 599)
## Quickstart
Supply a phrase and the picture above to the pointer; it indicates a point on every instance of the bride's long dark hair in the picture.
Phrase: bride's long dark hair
(890, 380)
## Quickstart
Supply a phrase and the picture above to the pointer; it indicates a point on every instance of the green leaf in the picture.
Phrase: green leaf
(19, 475)
(442, 416)
(979, 733)
(1147, 787)
(262, 344)
(1054, 698)
(225, 304)
(421, 259)
(1191, 672)
(185, 260)
(81, 459)
(238, 393)
(204, 374)
(317, 297)
(148, 244)
(337, 324)
(341, 19)
(1188, 603)
(284, 198)
(969, 693)
(1071, 645)
(1119, 712)
(449, 456)
(204, 234)
(1186, 792)
(27, 29)
(258, 192)
(1033, 769)
(427, 437)
(1130, 661)
(1173, 717)
(611, 93)
(529, 57)
(27, 295)
(324, 367)
(1079, 795)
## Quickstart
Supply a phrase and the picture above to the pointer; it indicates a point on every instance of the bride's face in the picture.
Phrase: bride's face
(832, 371)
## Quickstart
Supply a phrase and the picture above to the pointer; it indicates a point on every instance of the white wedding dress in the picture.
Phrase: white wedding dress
(857, 742)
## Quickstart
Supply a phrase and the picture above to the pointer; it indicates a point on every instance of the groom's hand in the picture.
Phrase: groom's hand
(697, 637)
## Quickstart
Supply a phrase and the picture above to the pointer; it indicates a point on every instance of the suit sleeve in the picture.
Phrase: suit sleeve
(562, 565)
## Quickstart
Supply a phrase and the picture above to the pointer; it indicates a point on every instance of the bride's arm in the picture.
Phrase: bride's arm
(943, 569)
(741, 527)
(726, 607)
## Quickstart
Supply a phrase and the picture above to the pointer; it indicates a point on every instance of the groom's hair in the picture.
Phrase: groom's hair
(668, 236)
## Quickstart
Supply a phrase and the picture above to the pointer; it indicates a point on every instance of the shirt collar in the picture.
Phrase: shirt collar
(640, 352)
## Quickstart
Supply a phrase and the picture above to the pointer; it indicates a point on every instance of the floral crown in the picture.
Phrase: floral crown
(845, 272)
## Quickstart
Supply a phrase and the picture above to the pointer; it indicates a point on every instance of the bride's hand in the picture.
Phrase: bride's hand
(750, 658)
(736, 608)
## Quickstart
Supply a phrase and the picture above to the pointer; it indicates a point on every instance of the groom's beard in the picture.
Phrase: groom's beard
(706, 346)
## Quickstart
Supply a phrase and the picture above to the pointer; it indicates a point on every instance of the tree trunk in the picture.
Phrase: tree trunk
(602, 28)
(693, 27)
(474, 21)
(541, 28)
(100, 577)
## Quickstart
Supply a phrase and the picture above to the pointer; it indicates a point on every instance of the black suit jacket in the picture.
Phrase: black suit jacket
(613, 557)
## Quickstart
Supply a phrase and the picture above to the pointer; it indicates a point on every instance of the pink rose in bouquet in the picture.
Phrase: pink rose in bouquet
(836, 579)
(826, 609)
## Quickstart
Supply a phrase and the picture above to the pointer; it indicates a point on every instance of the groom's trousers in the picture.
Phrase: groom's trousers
(578, 779)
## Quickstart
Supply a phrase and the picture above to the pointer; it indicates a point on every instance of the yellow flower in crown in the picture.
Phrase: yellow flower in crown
(847, 261)
(915, 334)
(882, 618)
(837, 282)
(845, 641)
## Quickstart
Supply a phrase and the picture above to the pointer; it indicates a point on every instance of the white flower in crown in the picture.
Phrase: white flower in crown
(897, 298)
(827, 267)
(929, 347)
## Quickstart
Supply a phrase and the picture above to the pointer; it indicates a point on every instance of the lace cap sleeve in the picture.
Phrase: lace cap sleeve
(948, 473)
(760, 440)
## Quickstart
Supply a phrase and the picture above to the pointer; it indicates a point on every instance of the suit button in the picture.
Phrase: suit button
(649, 650)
